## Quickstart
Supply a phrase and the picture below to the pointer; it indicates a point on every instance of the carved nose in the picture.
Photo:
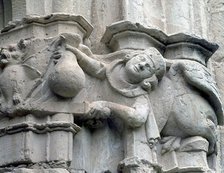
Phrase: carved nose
(141, 66)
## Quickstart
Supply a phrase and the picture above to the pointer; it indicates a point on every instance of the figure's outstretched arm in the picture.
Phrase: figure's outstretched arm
(134, 116)
(86, 60)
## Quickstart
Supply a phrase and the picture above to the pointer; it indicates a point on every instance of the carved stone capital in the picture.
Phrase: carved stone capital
(45, 27)
(186, 46)
(128, 35)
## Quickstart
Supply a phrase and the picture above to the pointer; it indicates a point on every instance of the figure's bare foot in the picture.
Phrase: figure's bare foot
(170, 143)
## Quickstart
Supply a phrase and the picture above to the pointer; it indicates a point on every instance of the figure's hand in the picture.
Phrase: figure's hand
(58, 51)
(98, 110)
(58, 46)
(59, 42)
(72, 49)
(57, 54)
(79, 54)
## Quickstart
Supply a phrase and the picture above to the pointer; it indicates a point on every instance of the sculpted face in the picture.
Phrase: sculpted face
(139, 68)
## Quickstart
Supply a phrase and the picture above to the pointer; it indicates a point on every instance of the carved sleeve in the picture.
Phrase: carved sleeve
(134, 116)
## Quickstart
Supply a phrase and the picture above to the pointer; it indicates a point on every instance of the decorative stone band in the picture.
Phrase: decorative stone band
(39, 128)
(49, 108)
(49, 19)
(45, 27)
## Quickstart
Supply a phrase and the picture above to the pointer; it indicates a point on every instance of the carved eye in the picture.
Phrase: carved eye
(142, 58)
(147, 65)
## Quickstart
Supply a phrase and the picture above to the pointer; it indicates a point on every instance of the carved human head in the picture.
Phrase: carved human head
(143, 64)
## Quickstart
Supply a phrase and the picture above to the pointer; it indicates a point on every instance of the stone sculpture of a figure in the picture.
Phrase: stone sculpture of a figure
(131, 78)
(17, 77)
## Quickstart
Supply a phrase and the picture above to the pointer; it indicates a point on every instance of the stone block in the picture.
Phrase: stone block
(184, 162)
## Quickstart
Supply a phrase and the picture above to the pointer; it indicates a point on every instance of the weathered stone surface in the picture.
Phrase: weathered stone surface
(144, 99)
